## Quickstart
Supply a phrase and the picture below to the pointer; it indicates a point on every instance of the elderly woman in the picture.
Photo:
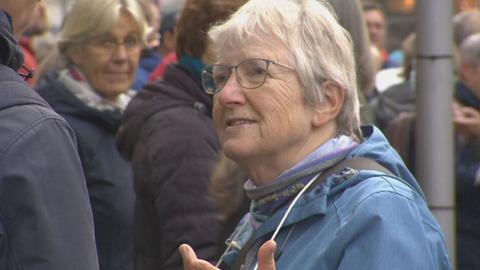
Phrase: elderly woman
(99, 48)
(330, 194)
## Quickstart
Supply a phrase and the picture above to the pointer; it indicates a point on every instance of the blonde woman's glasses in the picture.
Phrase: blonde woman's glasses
(108, 44)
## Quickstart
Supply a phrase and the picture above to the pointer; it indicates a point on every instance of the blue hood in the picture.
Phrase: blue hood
(376, 147)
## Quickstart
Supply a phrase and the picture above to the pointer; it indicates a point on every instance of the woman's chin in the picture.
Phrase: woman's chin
(236, 151)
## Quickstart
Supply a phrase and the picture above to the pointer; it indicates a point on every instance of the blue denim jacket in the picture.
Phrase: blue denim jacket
(358, 220)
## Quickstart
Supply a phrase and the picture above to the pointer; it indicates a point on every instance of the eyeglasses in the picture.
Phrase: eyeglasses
(250, 74)
(108, 44)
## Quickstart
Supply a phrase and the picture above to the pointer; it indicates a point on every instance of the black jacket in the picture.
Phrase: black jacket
(45, 216)
(467, 199)
(169, 136)
(108, 175)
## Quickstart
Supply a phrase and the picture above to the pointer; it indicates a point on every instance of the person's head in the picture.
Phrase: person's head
(151, 14)
(103, 39)
(40, 22)
(22, 13)
(464, 24)
(469, 69)
(195, 19)
(375, 19)
(409, 52)
(167, 32)
(302, 94)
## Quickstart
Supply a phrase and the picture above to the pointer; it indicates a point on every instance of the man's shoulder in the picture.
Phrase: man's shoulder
(17, 95)
(22, 110)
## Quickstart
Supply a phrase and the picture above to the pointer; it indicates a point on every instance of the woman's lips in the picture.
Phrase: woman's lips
(239, 122)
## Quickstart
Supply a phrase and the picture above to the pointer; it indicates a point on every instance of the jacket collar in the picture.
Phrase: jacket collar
(10, 52)
(15, 92)
(312, 203)
(315, 201)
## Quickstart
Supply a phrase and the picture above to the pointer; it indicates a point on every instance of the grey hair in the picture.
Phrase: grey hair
(470, 50)
(90, 18)
(319, 48)
(464, 24)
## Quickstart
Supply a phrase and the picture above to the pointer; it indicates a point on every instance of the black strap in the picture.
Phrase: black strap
(357, 163)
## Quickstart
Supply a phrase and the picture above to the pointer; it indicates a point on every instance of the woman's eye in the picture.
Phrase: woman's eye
(256, 71)
(220, 77)
(132, 42)
(107, 43)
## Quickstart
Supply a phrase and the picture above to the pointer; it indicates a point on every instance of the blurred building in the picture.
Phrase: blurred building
(400, 16)
(57, 9)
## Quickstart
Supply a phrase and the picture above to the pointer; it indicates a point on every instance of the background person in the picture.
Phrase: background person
(167, 33)
(377, 31)
(167, 45)
(150, 58)
(350, 17)
(466, 117)
(46, 220)
(465, 23)
(286, 110)
(99, 47)
(37, 27)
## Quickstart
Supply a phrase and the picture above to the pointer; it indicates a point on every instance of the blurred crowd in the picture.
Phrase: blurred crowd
(126, 77)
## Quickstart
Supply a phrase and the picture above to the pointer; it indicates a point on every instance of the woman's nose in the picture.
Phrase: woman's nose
(232, 93)
(120, 52)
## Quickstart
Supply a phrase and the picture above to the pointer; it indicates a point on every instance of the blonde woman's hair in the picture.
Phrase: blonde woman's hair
(90, 18)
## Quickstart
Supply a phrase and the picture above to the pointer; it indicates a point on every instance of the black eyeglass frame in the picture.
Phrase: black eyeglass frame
(207, 70)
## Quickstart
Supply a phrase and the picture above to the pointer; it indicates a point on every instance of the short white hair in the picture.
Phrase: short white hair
(318, 47)
(470, 50)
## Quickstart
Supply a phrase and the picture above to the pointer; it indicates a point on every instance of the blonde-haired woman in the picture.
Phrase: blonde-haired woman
(87, 82)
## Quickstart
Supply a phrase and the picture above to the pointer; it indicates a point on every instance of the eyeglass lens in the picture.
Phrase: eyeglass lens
(109, 43)
(250, 74)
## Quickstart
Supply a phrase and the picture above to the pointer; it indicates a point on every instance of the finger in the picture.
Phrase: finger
(190, 260)
(266, 260)
(456, 109)
(188, 256)
(470, 112)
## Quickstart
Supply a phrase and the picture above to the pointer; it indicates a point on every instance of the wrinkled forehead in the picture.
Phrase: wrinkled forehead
(235, 50)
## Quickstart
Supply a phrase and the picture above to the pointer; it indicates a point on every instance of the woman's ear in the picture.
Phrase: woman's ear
(333, 102)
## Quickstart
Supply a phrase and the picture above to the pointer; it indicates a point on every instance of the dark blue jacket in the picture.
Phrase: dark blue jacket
(467, 193)
(149, 60)
(109, 176)
(45, 216)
